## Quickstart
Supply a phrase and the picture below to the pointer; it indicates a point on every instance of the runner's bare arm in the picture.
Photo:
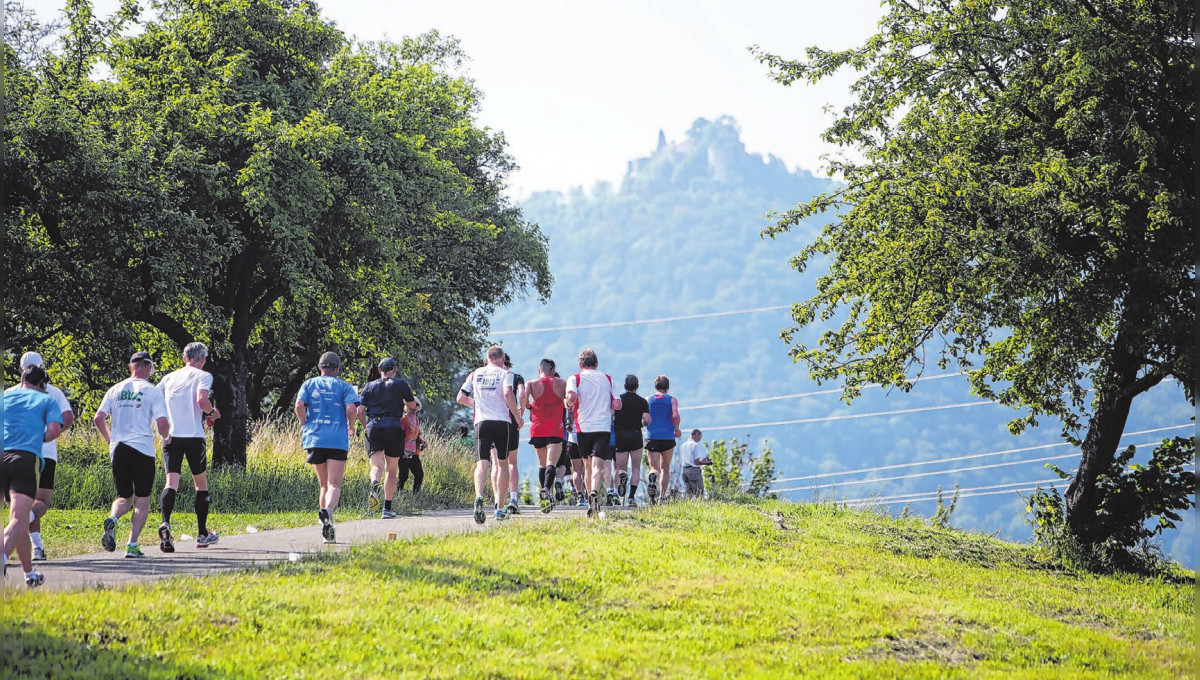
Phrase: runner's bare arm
(675, 417)
(351, 417)
(301, 412)
(101, 421)
(52, 432)
(513, 408)
(465, 399)
(362, 415)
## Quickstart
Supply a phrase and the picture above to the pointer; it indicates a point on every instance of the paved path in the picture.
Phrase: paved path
(246, 551)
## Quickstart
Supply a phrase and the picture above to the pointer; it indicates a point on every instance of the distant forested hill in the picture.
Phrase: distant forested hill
(679, 237)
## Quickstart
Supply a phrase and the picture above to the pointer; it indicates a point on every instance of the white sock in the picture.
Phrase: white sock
(30, 574)
(512, 496)
(567, 478)
(36, 537)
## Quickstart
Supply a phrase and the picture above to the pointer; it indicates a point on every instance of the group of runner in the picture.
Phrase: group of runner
(587, 434)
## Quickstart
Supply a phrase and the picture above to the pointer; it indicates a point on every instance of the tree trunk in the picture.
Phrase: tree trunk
(231, 432)
(1096, 456)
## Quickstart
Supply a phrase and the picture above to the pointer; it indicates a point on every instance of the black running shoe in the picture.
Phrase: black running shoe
(593, 504)
(165, 543)
(622, 484)
(327, 531)
(513, 508)
(559, 494)
(480, 517)
(109, 539)
(544, 500)
(652, 488)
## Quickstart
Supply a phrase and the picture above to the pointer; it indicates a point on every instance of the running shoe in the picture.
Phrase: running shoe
(373, 502)
(134, 551)
(559, 494)
(388, 514)
(34, 579)
(611, 499)
(165, 543)
(544, 501)
(39, 554)
(207, 539)
(327, 531)
(109, 539)
(501, 514)
(479, 516)
(583, 502)
(593, 504)
(630, 503)
(652, 488)
(622, 484)
(512, 509)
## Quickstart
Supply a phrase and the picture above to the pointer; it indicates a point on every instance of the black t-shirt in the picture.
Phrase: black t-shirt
(517, 382)
(630, 415)
(384, 400)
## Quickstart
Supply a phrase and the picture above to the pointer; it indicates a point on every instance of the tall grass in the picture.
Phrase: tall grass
(276, 477)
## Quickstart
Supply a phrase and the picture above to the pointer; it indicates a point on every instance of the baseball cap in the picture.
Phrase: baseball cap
(697, 432)
(31, 359)
(141, 356)
(388, 364)
(330, 360)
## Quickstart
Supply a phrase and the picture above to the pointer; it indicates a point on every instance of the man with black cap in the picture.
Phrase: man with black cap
(31, 417)
(327, 407)
(381, 412)
(692, 458)
(136, 408)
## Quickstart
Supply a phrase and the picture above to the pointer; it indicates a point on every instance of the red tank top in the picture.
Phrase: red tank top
(546, 416)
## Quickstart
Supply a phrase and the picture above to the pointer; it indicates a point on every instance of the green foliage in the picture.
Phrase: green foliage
(1137, 502)
(941, 516)
(726, 479)
(1022, 182)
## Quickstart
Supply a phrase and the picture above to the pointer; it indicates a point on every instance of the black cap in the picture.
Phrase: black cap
(34, 375)
(330, 360)
(140, 357)
(696, 432)
(388, 364)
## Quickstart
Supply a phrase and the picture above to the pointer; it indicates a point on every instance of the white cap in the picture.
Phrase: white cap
(31, 359)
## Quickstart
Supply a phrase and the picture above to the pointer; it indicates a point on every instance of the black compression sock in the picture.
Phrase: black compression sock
(541, 476)
(167, 501)
(203, 500)
(387, 505)
(632, 490)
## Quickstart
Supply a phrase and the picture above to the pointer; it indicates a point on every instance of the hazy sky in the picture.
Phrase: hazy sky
(580, 88)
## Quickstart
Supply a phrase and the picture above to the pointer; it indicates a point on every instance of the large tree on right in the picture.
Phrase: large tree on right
(1018, 201)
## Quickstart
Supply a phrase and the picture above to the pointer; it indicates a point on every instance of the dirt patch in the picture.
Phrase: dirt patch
(908, 650)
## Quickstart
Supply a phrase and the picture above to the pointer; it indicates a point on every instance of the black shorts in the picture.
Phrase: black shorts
(595, 444)
(543, 442)
(572, 450)
(46, 481)
(514, 436)
(629, 440)
(133, 472)
(195, 449)
(491, 433)
(390, 440)
(318, 455)
(19, 472)
(660, 445)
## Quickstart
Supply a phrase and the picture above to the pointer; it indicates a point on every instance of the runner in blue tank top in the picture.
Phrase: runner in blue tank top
(661, 433)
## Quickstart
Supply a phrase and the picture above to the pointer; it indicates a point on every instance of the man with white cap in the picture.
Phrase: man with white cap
(327, 407)
(45, 492)
(136, 408)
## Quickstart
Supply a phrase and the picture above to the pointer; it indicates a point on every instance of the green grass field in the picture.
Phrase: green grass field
(685, 590)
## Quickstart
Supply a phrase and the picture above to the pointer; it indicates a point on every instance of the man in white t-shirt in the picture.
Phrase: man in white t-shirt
(489, 391)
(136, 408)
(189, 410)
(592, 397)
(693, 457)
(45, 492)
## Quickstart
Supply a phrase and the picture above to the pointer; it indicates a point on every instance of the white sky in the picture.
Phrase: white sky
(579, 90)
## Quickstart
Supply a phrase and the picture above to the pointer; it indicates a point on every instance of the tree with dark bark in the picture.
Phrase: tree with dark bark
(1019, 204)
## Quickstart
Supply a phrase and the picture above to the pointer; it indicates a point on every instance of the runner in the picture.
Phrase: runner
(594, 398)
(136, 408)
(544, 399)
(189, 410)
(381, 413)
(45, 492)
(31, 418)
(661, 431)
(514, 441)
(488, 390)
(410, 462)
(577, 470)
(326, 407)
(627, 426)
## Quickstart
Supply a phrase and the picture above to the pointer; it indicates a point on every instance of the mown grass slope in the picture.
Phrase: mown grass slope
(687, 590)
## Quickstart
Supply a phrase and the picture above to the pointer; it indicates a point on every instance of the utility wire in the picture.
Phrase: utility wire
(852, 416)
(612, 324)
(884, 501)
(950, 492)
(800, 395)
(956, 458)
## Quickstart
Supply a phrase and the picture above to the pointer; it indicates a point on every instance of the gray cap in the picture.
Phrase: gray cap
(330, 360)
(31, 359)
(388, 364)
(141, 357)
(696, 432)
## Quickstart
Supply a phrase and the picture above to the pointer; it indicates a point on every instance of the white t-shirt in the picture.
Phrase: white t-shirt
(181, 389)
(486, 386)
(50, 449)
(596, 392)
(134, 406)
(689, 451)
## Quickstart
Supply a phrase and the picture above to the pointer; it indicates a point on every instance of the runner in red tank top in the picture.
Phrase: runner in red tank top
(544, 400)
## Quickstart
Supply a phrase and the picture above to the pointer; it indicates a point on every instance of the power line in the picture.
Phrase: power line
(612, 324)
(973, 456)
(950, 492)
(800, 395)
(853, 416)
(884, 501)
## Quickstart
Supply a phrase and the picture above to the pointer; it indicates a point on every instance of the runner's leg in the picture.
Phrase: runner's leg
(333, 494)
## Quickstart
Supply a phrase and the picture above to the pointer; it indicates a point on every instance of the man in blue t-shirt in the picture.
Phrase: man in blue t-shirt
(31, 417)
(327, 407)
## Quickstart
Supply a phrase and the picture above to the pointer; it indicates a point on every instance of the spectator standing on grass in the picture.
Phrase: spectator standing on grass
(693, 457)
(488, 390)
(45, 491)
(382, 413)
(594, 398)
(189, 411)
(31, 418)
(627, 432)
(136, 408)
(327, 407)
(661, 432)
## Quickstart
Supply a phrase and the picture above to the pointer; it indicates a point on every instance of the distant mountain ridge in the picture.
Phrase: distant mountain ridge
(680, 236)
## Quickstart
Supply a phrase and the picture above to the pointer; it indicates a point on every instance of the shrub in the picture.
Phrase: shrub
(726, 478)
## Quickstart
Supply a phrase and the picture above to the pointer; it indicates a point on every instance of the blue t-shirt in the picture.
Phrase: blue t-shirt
(27, 412)
(661, 426)
(326, 398)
